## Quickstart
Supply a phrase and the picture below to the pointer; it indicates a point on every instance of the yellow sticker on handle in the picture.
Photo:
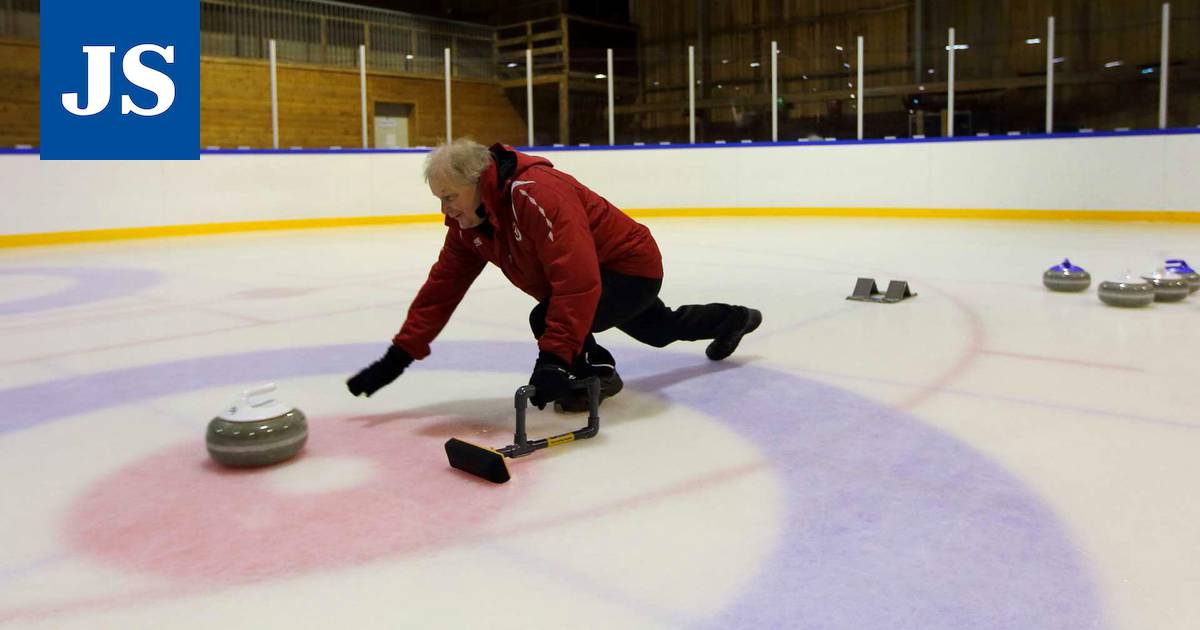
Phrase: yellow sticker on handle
(560, 439)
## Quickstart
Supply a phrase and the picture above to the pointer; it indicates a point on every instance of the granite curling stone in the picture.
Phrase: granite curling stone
(1168, 287)
(1181, 267)
(1128, 291)
(256, 430)
(1066, 277)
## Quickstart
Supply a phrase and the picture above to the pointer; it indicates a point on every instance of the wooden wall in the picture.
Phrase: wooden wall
(318, 107)
(19, 113)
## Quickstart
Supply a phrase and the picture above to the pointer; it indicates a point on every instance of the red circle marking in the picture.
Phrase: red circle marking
(177, 513)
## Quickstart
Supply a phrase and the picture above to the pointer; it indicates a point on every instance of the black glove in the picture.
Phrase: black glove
(551, 379)
(380, 373)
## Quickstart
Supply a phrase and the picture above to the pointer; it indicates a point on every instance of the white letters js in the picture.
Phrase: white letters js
(99, 64)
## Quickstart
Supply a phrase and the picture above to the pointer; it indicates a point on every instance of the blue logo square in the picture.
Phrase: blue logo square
(120, 80)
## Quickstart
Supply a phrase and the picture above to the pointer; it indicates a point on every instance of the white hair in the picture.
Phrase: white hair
(462, 161)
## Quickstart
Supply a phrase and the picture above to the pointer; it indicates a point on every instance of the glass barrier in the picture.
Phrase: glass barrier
(656, 111)
(1107, 78)
(1106, 69)
(1184, 100)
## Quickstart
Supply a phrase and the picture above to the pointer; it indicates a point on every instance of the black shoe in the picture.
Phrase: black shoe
(744, 321)
(577, 400)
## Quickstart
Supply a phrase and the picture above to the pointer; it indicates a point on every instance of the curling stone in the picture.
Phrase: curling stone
(1181, 267)
(1066, 277)
(256, 430)
(1128, 291)
(1168, 287)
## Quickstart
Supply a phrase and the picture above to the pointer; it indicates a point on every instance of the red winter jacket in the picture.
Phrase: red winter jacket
(550, 235)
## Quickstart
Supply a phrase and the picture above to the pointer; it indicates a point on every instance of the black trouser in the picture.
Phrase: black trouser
(630, 304)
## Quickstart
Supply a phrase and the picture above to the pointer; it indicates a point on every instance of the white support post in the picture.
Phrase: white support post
(274, 101)
(362, 86)
(691, 94)
(529, 94)
(612, 127)
(861, 104)
(1164, 65)
(950, 89)
(774, 91)
(1050, 74)
(449, 127)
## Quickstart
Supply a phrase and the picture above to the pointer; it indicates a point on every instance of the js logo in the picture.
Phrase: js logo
(140, 96)
(99, 64)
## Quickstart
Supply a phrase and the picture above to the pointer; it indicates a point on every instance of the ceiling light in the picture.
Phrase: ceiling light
(1114, 64)
(1033, 40)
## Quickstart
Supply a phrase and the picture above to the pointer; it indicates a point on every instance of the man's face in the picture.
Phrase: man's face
(459, 201)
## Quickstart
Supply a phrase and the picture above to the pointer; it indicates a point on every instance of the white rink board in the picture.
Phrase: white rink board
(1132, 173)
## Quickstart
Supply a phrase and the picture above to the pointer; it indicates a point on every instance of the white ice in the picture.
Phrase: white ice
(1073, 420)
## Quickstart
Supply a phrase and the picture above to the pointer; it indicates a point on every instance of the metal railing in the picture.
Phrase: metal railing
(317, 32)
(329, 33)
(19, 19)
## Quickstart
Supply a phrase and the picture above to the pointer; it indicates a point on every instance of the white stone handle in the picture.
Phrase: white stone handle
(261, 392)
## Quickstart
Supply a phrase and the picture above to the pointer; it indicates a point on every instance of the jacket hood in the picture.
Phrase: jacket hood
(507, 164)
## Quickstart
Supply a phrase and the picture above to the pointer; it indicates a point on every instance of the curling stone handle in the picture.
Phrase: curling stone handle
(257, 392)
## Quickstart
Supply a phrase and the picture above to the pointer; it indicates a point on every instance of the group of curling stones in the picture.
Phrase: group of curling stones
(1170, 283)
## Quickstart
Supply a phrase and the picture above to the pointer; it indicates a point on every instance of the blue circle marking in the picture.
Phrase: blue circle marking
(889, 523)
(90, 284)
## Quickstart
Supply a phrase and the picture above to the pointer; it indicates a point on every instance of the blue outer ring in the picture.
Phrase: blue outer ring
(889, 523)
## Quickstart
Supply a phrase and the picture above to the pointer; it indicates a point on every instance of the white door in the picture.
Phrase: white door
(391, 132)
